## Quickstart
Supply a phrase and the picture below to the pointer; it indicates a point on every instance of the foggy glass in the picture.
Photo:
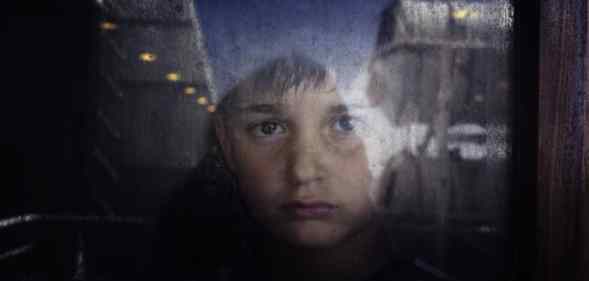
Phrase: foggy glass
(164, 65)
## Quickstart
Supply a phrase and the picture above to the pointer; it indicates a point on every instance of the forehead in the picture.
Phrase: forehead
(309, 92)
(290, 99)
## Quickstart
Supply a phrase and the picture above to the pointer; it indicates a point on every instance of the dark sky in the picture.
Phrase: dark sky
(241, 35)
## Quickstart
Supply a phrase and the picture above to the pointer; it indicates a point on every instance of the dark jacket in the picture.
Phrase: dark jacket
(203, 234)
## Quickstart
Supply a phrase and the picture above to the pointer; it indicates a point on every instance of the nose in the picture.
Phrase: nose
(306, 164)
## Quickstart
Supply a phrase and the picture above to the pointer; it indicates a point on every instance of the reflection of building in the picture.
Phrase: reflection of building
(150, 109)
(444, 66)
(468, 141)
(150, 102)
(450, 64)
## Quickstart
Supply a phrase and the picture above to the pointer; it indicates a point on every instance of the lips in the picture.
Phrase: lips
(309, 209)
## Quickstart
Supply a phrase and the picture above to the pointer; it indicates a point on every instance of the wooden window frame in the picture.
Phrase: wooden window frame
(551, 125)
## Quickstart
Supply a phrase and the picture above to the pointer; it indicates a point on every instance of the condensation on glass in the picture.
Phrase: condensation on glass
(455, 57)
(163, 66)
(151, 109)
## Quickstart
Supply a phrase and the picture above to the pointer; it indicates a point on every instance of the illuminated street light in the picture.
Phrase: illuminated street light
(211, 108)
(462, 14)
(189, 90)
(202, 100)
(147, 57)
(173, 76)
(107, 25)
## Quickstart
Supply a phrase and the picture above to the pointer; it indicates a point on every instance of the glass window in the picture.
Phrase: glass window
(348, 140)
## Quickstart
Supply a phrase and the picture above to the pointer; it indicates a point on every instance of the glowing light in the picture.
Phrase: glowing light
(147, 57)
(202, 100)
(211, 108)
(107, 25)
(189, 90)
(464, 13)
(173, 76)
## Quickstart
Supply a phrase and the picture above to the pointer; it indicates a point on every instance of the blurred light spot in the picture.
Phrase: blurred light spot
(202, 100)
(467, 129)
(189, 90)
(173, 76)
(462, 14)
(469, 150)
(107, 25)
(487, 229)
(147, 57)
(479, 98)
(211, 108)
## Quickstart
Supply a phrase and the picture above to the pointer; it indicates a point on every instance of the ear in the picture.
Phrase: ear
(223, 137)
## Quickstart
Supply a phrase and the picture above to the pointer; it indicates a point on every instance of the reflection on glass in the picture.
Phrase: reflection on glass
(189, 90)
(202, 100)
(442, 69)
(357, 141)
(106, 25)
(173, 76)
(147, 57)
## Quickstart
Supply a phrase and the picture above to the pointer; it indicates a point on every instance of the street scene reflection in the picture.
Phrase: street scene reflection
(293, 140)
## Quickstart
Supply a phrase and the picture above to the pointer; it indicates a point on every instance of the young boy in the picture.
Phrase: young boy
(309, 165)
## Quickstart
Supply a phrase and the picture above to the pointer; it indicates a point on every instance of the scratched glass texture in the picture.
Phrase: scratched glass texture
(434, 76)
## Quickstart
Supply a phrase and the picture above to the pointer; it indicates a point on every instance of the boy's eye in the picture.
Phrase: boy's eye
(268, 128)
(344, 124)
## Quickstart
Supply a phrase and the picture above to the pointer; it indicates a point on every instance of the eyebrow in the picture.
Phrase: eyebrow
(338, 109)
(344, 108)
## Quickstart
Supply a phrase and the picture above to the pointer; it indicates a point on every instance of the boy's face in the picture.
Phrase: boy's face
(301, 160)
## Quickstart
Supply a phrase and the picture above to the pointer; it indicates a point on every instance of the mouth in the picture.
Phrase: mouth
(309, 209)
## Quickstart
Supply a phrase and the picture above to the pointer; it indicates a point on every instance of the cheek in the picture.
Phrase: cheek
(366, 180)
(258, 174)
(354, 176)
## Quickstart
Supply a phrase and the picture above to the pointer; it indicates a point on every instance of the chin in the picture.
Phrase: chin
(312, 234)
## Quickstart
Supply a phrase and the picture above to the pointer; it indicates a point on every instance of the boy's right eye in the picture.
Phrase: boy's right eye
(267, 129)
